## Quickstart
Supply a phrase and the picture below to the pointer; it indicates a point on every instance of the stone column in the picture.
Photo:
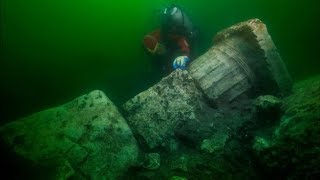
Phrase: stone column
(243, 60)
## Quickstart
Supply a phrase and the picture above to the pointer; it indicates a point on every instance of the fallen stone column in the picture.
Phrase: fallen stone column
(243, 60)
(85, 138)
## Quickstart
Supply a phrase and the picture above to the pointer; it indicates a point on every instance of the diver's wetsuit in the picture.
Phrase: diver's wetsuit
(177, 34)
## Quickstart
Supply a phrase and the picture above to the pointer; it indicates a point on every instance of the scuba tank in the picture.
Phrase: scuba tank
(175, 21)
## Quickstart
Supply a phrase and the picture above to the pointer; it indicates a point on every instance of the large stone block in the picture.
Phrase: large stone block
(159, 112)
(87, 135)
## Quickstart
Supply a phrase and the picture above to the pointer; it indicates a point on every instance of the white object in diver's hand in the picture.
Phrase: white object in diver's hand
(180, 62)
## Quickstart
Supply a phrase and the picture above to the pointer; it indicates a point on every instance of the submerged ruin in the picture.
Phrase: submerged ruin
(233, 114)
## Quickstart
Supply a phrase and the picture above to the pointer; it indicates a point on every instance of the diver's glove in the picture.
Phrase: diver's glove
(180, 62)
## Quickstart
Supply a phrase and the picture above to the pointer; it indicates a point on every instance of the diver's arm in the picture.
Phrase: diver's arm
(181, 61)
(184, 46)
(152, 43)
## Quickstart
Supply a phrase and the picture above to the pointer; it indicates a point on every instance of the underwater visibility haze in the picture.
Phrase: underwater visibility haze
(53, 51)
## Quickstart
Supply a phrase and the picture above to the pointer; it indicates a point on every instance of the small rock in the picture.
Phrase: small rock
(260, 144)
(267, 102)
(215, 143)
(178, 178)
(152, 161)
(180, 164)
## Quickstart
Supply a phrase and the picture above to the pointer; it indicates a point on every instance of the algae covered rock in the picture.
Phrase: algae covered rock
(293, 151)
(86, 138)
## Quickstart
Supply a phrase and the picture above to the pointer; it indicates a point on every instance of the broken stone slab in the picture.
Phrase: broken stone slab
(158, 113)
(88, 133)
(243, 60)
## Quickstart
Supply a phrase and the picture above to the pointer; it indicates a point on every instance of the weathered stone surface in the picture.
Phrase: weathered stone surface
(157, 113)
(279, 72)
(243, 60)
(175, 110)
(88, 135)
(293, 151)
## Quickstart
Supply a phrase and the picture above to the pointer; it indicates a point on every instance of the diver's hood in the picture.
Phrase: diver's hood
(175, 21)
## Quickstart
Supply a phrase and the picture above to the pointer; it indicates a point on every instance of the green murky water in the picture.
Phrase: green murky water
(54, 51)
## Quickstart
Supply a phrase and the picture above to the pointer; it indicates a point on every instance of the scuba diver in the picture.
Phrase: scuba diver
(173, 41)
